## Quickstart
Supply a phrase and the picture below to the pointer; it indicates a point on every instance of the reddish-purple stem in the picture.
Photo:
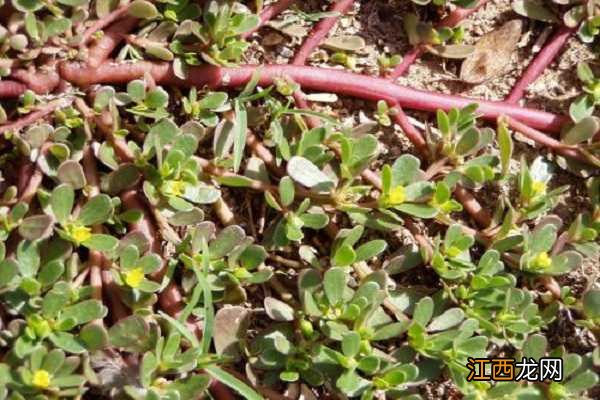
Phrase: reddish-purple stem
(170, 299)
(270, 12)
(11, 89)
(35, 180)
(472, 206)
(102, 49)
(412, 133)
(103, 22)
(450, 21)
(408, 60)
(456, 16)
(31, 117)
(320, 31)
(546, 140)
(543, 59)
(39, 82)
(312, 78)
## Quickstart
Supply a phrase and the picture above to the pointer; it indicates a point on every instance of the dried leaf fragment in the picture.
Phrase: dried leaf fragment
(492, 53)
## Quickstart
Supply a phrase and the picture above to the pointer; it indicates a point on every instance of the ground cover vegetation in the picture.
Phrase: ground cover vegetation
(182, 218)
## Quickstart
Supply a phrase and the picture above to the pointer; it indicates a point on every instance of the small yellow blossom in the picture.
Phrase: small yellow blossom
(453, 251)
(134, 277)
(80, 233)
(538, 188)
(241, 273)
(397, 195)
(542, 260)
(175, 188)
(41, 379)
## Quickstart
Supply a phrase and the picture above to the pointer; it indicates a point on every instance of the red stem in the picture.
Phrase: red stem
(312, 78)
(459, 14)
(95, 257)
(132, 201)
(408, 60)
(103, 22)
(24, 174)
(413, 134)
(543, 59)
(112, 294)
(32, 186)
(104, 122)
(320, 31)
(102, 49)
(220, 391)
(170, 299)
(11, 89)
(32, 117)
(270, 12)
(450, 21)
(39, 82)
(472, 206)
(545, 140)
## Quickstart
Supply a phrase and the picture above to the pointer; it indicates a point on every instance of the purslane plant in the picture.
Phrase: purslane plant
(164, 236)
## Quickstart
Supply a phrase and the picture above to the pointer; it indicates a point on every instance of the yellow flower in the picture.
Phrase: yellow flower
(397, 195)
(175, 188)
(134, 277)
(80, 233)
(241, 273)
(538, 188)
(453, 251)
(542, 260)
(41, 379)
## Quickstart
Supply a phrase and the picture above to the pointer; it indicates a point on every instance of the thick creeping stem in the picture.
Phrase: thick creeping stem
(103, 22)
(450, 21)
(312, 78)
(99, 52)
(170, 299)
(541, 61)
(320, 31)
(39, 82)
(549, 142)
(33, 116)
(270, 12)
(316, 36)
(11, 89)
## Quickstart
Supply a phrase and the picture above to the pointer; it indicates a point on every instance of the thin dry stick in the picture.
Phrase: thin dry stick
(541, 61)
